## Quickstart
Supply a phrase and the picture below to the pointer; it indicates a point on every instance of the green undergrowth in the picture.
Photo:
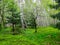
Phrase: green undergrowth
(44, 36)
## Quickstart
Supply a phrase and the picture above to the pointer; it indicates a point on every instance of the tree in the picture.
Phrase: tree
(2, 6)
(21, 5)
(57, 15)
(13, 17)
(29, 13)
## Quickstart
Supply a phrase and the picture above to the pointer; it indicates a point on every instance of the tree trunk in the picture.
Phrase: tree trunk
(2, 15)
(13, 28)
(35, 25)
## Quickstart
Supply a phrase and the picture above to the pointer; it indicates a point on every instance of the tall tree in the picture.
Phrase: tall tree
(21, 5)
(2, 13)
(57, 15)
(13, 17)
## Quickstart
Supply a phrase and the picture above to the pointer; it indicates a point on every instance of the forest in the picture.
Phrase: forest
(29, 22)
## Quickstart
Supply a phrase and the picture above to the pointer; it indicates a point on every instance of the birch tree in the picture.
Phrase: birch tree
(21, 5)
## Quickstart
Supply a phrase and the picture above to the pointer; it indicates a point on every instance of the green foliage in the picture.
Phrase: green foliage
(13, 12)
(57, 15)
(44, 36)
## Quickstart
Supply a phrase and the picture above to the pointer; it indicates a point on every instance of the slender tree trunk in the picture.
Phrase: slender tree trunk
(22, 14)
(2, 15)
(2, 22)
(22, 22)
(21, 5)
(35, 25)
(35, 18)
(13, 28)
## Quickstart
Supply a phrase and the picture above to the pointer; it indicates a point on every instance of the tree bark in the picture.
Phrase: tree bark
(13, 28)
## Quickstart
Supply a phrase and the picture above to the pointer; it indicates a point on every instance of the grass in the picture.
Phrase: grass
(44, 36)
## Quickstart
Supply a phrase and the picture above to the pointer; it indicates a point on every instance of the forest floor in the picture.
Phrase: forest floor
(44, 36)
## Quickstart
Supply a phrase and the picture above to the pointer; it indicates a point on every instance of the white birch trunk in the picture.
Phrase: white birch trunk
(21, 5)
